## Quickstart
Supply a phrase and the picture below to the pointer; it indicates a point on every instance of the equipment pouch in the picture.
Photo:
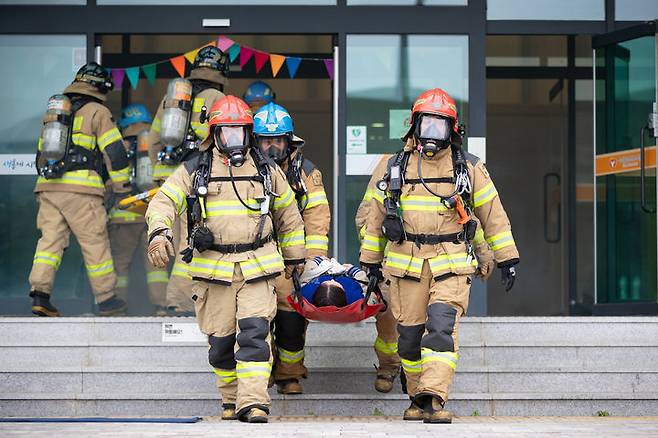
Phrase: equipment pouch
(392, 226)
(470, 228)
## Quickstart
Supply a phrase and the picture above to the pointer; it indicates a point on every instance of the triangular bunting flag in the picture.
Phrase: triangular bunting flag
(233, 52)
(149, 73)
(179, 64)
(261, 58)
(191, 55)
(117, 77)
(276, 61)
(224, 43)
(133, 76)
(293, 64)
(329, 65)
(245, 55)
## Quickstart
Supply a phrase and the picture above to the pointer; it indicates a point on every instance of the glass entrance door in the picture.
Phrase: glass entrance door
(625, 167)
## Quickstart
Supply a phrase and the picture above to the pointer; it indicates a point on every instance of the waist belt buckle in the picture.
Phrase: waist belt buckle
(461, 237)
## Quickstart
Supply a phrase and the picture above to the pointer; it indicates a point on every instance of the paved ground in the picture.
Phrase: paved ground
(303, 427)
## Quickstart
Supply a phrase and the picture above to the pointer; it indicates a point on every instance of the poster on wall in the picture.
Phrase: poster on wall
(399, 121)
(357, 140)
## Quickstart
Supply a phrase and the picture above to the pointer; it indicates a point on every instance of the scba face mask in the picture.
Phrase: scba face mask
(233, 142)
(275, 148)
(434, 133)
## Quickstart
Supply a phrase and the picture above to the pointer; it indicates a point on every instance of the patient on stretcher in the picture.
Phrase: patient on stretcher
(326, 282)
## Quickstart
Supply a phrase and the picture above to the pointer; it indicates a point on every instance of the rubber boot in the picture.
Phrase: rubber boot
(115, 306)
(174, 311)
(413, 412)
(289, 386)
(41, 305)
(255, 415)
(160, 311)
(229, 412)
(384, 383)
(434, 412)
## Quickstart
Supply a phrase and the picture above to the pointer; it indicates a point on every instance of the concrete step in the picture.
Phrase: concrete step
(207, 404)
(195, 357)
(474, 332)
(323, 381)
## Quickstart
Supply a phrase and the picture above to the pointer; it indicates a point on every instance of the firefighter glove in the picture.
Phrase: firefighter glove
(160, 249)
(508, 273)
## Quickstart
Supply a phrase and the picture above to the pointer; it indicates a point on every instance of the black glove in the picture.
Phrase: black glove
(508, 273)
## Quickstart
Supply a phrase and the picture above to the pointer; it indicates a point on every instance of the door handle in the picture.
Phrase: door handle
(643, 203)
(558, 232)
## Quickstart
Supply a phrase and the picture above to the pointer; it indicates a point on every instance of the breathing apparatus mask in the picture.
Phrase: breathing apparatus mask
(232, 141)
(276, 148)
(434, 133)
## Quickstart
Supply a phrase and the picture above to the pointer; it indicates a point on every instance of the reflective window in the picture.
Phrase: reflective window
(33, 68)
(408, 2)
(588, 10)
(385, 73)
(636, 10)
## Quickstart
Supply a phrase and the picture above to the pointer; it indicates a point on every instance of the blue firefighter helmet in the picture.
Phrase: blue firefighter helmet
(134, 113)
(259, 91)
(273, 120)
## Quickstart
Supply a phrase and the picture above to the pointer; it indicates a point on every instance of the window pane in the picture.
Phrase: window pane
(636, 10)
(385, 73)
(33, 68)
(589, 10)
(43, 2)
(526, 51)
(409, 2)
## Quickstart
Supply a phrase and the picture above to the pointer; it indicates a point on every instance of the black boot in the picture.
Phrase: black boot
(41, 305)
(115, 306)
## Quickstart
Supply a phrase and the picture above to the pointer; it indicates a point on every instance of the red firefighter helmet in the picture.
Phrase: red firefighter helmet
(227, 111)
(434, 101)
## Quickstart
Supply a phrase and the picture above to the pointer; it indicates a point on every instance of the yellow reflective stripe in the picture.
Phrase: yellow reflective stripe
(316, 241)
(284, 200)
(155, 126)
(162, 171)
(174, 193)
(211, 267)
(479, 236)
(386, 347)
(232, 208)
(373, 243)
(84, 140)
(290, 356)
(291, 239)
(317, 198)
(155, 217)
(108, 138)
(422, 203)
(484, 195)
(157, 277)
(122, 281)
(39, 144)
(362, 232)
(411, 366)
(452, 261)
(122, 175)
(116, 213)
(447, 357)
(47, 258)
(501, 240)
(197, 104)
(405, 262)
(261, 264)
(226, 376)
(374, 193)
(77, 123)
(200, 129)
(253, 369)
(100, 269)
(76, 177)
(181, 270)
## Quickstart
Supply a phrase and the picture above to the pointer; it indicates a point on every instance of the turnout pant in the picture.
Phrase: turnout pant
(179, 289)
(386, 343)
(428, 314)
(61, 213)
(289, 335)
(127, 240)
(237, 318)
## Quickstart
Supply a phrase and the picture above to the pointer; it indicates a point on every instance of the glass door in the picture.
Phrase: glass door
(625, 167)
